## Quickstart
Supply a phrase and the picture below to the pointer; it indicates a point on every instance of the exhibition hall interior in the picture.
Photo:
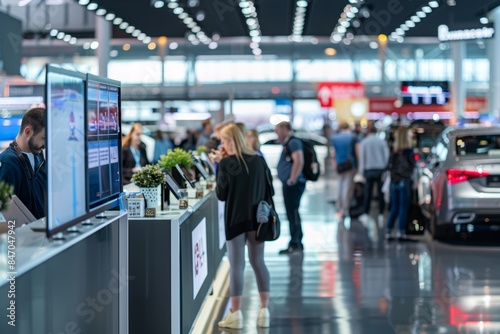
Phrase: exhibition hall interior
(249, 166)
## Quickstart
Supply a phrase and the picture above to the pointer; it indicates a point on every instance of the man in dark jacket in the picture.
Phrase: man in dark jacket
(22, 164)
(294, 183)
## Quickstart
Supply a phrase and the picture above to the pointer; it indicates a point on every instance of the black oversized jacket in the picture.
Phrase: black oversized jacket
(242, 191)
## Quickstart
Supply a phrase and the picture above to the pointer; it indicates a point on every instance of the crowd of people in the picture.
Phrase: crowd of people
(242, 182)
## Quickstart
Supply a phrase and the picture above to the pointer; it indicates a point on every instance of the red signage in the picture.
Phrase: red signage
(328, 92)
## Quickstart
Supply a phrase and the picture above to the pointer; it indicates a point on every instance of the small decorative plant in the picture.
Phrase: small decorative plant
(200, 149)
(178, 156)
(6, 191)
(149, 176)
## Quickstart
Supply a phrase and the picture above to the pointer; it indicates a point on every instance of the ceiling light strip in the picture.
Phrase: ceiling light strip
(64, 37)
(399, 33)
(117, 21)
(197, 35)
(340, 31)
(299, 20)
(249, 12)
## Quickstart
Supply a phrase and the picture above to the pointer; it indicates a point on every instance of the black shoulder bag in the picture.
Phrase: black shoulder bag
(267, 229)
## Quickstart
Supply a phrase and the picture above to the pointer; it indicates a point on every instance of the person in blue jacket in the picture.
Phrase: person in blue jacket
(22, 164)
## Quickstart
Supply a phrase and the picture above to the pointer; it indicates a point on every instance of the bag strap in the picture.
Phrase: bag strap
(269, 185)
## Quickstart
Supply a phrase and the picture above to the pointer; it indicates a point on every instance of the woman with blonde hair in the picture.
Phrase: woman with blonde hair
(401, 164)
(252, 140)
(243, 179)
(133, 153)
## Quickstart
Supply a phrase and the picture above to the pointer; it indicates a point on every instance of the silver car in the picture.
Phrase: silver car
(459, 190)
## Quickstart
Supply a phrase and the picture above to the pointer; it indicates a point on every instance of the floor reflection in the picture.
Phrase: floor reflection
(351, 280)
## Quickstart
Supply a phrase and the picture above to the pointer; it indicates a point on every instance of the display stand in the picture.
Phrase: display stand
(55, 280)
(173, 259)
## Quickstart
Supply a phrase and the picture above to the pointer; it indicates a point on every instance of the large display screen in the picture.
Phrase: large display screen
(425, 92)
(103, 141)
(65, 142)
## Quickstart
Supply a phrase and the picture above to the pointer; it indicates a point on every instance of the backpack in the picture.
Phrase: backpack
(311, 169)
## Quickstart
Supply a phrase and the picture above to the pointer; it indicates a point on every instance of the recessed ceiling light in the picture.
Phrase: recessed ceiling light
(187, 20)
(341, 29)
(92, 6)
(400, 39)
(213, 45)
(302, 3)
(136, 32)
(421, 14)
(415, 19)
(94, 45)
(73, 40)
(405, 27)
(113, 53)
(484, 20)
(196, 29)
(200, 16)
(86, 45)
(257, 52)
(172, 5)
(117, 21)
(256, 39)
(244, 4)
(251, 22)
(410, 24)
(100, 12)
(159, 4)
(147, 40)
(67, 38)
(83, 2)
(337, 38)
(110, 16)
(347, 41)
(178, 10)
(400, 31)
(182, 16)
(191, 25)
(130, 29)
(254, 33)
(434, 4)
(61, 35)
(53, 32)
(195, 42)
(373, 45)
(141, 36)
(173, 46)
(427, 9)
(191, 37)
(123, 25)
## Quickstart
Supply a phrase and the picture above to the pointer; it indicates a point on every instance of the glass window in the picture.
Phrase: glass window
(325, 70)
(472, 145)
(135, 71)
(175, 71)
(370, 71)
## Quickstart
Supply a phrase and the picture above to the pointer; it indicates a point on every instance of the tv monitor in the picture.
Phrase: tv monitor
(425, 92)
(186, 175)
(200, 168)
(173, 186)
(104, 142)
(207, 162)
(65, 149)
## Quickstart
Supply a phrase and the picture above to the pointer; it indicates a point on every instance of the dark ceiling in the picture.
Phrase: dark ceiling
(224, 17)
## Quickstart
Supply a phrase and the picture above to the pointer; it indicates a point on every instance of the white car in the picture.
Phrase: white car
(271, 148)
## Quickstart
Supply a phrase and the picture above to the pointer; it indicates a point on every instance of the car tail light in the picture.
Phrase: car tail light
(461, 175)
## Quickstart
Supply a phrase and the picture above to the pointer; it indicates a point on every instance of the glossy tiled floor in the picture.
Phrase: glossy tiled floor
(350, 280)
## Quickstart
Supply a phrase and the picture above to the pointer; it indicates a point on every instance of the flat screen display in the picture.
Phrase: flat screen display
(200, 168)
(425, 92)
(173, 186)
(65, 143)
(206, 161)
(186, 174)
(103, 141)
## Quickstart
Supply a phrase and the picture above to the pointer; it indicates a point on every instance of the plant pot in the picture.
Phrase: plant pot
(152, 196)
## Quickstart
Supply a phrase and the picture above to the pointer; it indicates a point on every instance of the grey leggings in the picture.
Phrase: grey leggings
(236, 254)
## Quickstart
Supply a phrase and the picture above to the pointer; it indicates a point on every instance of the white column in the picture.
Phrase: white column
(493, 52)
(458, 87)
(103, 34)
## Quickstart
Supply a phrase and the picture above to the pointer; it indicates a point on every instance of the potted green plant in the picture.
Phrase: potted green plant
(200, 149)
(177, 156)
(149, 179)
(5, 196)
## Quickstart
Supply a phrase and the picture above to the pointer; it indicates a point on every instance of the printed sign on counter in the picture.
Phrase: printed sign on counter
(222, 231)
(200, 263)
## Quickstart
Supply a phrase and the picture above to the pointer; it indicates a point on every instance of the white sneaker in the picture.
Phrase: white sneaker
(363, 219)
(232, 320)
(380, 221)
(263, 319)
